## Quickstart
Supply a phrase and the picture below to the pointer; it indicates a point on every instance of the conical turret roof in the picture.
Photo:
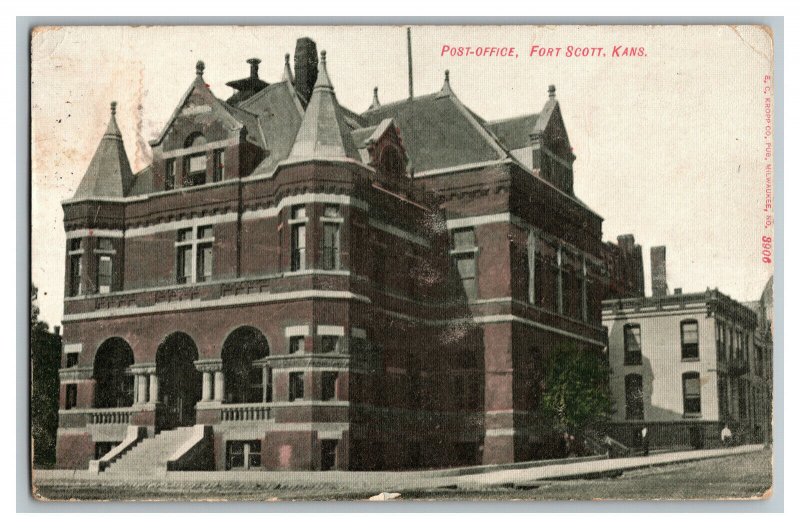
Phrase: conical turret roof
(109, 174)
(324, 132)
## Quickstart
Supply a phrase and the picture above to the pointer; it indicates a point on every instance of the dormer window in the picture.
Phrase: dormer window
(195, 165)
(392, 162)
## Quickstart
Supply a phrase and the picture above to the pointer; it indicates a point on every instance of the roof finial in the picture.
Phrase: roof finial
(287, 70)
(323, 81)
(113, 108)
(200, 67)
(375, 102)
(551, 91)
(286, 59)
(446, 90)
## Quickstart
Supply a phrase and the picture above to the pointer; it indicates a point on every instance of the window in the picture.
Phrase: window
(464, 255)
(328, 454)
(105, 244)
(330, 246)
(169, 175)
(297, 344)
(74, 245)
(219, 165)
(584, 292)
(104, 274)
(243, 455)
(72, 360)
(633, 344)
(718, 341)
(328, 385)
(634, 398)
(464, 239)
(71, 397)
(75, 275)
(329, 344)
(379, 265)
(560, 281)
(298, 254)
(103, 447)
(689, 346)
(691, 393)
(533, 287)
(723, 333)
(296, 390)
(194, 254)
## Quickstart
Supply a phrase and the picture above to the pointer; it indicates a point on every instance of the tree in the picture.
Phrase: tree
(576, 392)
(45, 361)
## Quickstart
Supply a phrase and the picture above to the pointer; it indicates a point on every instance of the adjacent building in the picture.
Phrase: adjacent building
(317, 288)
(686, 364)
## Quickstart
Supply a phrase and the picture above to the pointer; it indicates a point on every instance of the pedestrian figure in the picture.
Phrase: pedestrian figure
(645, 442)
(726, 435)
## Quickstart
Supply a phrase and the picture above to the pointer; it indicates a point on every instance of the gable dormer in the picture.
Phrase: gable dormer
(552, 152)
(386, 151)
(206, 140)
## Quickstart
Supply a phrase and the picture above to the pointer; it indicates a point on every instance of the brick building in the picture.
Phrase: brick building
(294, 285)
(686, 364)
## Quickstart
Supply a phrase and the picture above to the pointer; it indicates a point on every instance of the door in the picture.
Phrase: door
(180, 384)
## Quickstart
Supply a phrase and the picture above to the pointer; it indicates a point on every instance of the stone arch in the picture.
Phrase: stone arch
(180, 384)
(244, 381)
(113, 380)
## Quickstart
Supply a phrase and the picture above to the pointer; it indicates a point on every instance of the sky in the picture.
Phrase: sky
(669, 142)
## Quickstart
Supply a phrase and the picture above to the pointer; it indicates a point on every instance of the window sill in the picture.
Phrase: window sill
(692, 415)
(690, 359)
(632, 364)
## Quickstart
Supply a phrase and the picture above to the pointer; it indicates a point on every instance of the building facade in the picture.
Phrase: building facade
(323, 289)
(685, 365)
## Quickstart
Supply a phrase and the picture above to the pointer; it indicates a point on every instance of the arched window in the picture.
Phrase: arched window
(691, 393)
(195, 139)
(633, 344)
(244, 381)
(634, 397)
(689, 340)
(113, 382)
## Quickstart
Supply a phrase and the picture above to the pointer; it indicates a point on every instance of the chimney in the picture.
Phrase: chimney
(678, 291)
(57, 330)
(253, 67)
(658, 270)
(305, 67)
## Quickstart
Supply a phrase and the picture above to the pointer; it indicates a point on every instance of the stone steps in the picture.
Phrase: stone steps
(150, 456)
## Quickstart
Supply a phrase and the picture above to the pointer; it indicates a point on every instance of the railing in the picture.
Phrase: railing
(259, 411)
(110, 416)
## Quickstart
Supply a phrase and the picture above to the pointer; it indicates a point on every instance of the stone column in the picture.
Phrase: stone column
(219, 386)
(207, 386)
(142, 392)
(264, 383)
(153, 388)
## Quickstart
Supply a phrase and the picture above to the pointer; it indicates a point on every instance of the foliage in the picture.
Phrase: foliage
(45, 361)
(576, 392)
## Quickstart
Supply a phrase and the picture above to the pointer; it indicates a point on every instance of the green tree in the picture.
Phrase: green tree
(576, 392)
(45, 361)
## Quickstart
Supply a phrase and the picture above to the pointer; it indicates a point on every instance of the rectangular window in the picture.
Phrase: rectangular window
(104, 243)
(465, 264)
(205, 232)
(634, 398)
(298, 247)
(297, 344)
(184, 266)
(219, 165)
(74, 245)
(103, 447)
(104, 274)
(532, 264)
(691, 393)
(633, 344)
(71, 397)
(329, 385)
(464, 239)
(72, 360)
(169, 175)
(722, 394)
(75, 275)
(331, 211)
(328, 454)
(205, 258)
(243, 455)
(329, 344)
(296, 390)
(689, 342)
(196, 170)
(330, 246)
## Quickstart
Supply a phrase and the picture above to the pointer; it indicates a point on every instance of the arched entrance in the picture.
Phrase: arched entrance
(180, 384)
(113, 382)
(244, 381)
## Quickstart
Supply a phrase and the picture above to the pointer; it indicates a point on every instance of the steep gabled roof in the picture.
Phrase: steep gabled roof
(109, 173)
(280, 113)
(324, 132)
(233, 115)
(514, 133)
(439, 131)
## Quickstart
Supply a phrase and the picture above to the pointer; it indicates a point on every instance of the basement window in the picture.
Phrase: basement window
(243, 455)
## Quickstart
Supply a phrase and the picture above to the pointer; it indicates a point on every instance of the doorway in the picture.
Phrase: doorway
(180, 384)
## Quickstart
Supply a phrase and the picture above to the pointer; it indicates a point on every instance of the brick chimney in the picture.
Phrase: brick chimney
(305, 67)
(658, 270)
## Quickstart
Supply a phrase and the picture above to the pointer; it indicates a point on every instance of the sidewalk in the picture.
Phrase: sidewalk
(375, 481)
